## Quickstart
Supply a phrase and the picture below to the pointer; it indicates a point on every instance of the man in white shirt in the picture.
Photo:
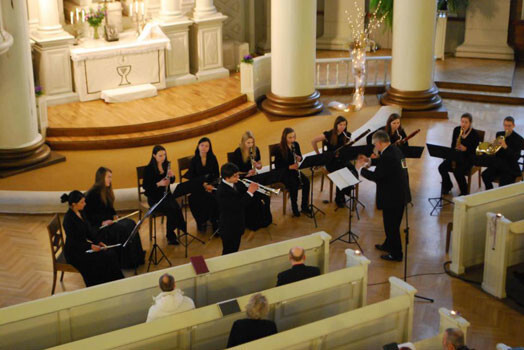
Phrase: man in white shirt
(170, 301)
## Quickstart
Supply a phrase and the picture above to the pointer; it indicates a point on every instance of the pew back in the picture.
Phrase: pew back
(291, 305)
(67, 317)
(368, 327)
(504, 248)
(469, 222)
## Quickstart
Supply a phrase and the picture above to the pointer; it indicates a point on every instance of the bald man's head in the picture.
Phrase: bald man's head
(166, 282)
(297, 255)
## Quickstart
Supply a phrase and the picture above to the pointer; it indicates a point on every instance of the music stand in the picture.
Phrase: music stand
(311, 162)
(446, 153)
(412, 151)
(343, 178)
(182, 189)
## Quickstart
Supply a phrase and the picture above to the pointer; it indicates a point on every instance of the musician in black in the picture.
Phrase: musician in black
(287, 158)
(157, 178)
(391, 178)
(98, 267)
(469, 140)
(232, 201)
(100, 211)
(247, 158)
(332, 140)
(202, 202)
(505, 163)
(394, 130)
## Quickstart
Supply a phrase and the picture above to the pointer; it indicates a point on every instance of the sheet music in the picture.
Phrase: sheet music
(343, 178)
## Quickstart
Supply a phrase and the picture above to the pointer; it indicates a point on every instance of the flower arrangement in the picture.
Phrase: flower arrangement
(38, 90)
(95, 18)
(363, 24)
(247, 59)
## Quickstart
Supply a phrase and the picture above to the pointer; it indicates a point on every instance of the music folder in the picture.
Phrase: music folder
(443, 152)
(267, 178)
(316, 160)
(350, 153)
(199, 264)
(229, 307)
(343, 178)
(412, 151)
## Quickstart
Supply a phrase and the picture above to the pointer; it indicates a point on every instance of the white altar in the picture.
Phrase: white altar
(99, 65)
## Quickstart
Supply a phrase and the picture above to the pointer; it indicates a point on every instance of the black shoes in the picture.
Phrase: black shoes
(381, 247)
(390, 257)
(172, 241)
(306, 210)
(296, 213)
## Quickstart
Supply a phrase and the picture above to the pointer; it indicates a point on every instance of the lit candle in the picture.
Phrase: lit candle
(136, 7)
(72, 17)
(77, 14)
(453, 313)
(130, 10)
(143, 9)
(357, 252)
(83, 16)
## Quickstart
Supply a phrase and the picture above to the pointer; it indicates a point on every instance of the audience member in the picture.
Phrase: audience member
(298, 271)
(453, 339)
(170, 301)
(254, 327)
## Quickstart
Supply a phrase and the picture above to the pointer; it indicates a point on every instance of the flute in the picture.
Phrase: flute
(122, 218)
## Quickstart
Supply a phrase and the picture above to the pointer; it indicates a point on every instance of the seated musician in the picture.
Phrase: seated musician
(394, 129)
(334, 139)
(504, 165)
(465, 140)
(247, 158)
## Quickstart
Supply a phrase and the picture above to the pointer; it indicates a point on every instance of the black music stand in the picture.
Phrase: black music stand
(445, 153)
(311, 162)
(412, 151)
(351, 153)
(183, 189)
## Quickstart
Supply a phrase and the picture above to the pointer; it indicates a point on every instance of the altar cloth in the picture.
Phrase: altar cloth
(128, 93)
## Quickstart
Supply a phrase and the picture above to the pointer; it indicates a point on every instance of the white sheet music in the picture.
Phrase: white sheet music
(343, 178)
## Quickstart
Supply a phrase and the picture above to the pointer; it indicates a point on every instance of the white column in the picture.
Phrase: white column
(486, 34)
(20, 142)
(170, 10)
(412, 86)
(204, 8)
(6, 39)
(293, 54)
(49, 19)
(32, 14)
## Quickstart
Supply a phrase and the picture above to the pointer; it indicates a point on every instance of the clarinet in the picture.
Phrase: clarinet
(252, 158)
(167, 176)
(295, 160)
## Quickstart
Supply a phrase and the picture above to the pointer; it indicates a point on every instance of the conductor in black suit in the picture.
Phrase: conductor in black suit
(298, 271)
(390, 176)
(232, 201)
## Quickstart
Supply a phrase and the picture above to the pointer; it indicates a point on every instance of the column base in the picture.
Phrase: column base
(180, 80)
(210, 74)
(24, 157)
(412, 100)
(502, 52)
(292, 106)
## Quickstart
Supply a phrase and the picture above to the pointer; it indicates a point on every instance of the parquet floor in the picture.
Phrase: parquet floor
(25, 262)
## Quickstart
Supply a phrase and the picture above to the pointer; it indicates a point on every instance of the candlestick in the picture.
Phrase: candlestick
(143, 10)
(72, 17)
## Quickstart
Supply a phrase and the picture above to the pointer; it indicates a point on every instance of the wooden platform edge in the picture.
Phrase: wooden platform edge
(473, 87)
(156, 125)
(482, 98)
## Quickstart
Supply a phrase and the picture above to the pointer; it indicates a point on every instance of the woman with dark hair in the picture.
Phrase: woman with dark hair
(287, 159)
(98, 267)
(332, 140)
(157, 178)
(247, 158)
(393, 128)
(202, 202)
(100, 211)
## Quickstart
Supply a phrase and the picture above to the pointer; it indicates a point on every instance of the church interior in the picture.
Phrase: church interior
(197, 124)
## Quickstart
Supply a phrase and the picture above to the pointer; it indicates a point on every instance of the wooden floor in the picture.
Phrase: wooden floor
(25, 265)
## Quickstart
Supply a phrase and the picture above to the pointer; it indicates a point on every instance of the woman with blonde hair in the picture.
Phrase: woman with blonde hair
(100, 211)
(247, 158)
(255, 326)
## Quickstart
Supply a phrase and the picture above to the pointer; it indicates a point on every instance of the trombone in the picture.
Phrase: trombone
(261, 188)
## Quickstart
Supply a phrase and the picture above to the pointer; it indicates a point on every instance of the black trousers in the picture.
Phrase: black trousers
(175, 219)
(204, 207)
(96, 268)
(292, 184)
(230, 243)
(460, 172)
(392, 218)
(498, 168)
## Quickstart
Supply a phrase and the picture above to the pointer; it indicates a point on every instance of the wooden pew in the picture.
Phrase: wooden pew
(369, 327)
(291, 305)
(447, 320)
(469, 222)
(504, 248)
(71, 316)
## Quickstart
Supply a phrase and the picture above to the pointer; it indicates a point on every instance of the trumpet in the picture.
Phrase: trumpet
(261, 188)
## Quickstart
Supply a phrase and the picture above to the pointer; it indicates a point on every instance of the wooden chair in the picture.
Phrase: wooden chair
(143, 205)
(56, 239)
(476, 169)
(273, 149)
(183, 167)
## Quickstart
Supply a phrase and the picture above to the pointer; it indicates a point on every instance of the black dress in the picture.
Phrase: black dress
(96, 212)
(258, 212)
(400, 134)
(96, 268)
(338, 163)
(505, 164)
(203, 204)
(246, 330)
(290, 177)
(169, 206)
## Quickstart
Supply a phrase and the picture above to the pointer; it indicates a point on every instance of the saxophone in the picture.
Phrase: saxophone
(457, 144)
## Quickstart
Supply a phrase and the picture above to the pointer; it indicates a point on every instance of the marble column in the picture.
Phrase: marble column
(412, 86)
(20, 143)
(486, 34)
(32, 14)
(176, 27)
(52, 57)
(6, 39)
(293, 55)
(204, 9)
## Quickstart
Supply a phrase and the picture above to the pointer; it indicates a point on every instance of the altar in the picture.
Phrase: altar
(99, 65)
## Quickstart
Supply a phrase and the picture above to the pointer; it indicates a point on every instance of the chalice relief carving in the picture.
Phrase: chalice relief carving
(123, 71)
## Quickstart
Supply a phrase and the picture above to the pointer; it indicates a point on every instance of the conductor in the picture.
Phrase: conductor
(390, 175)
